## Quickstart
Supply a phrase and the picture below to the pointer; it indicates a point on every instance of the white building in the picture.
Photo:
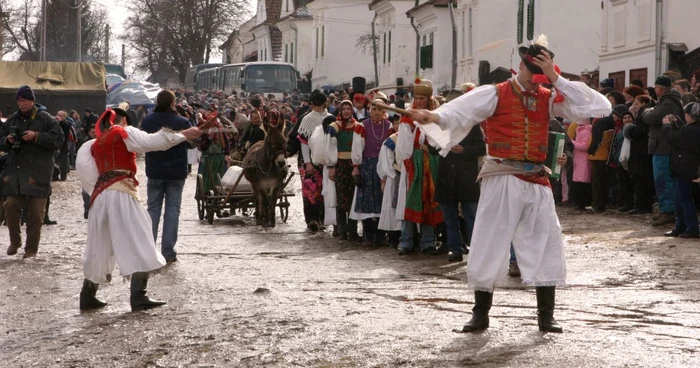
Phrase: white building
(336, 28)
(487, 32)
(240, 46)
(432, 19)
(297, 30)
(629, 49)
(396, 46)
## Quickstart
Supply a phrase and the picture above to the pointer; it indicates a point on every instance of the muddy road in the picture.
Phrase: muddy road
(243, 296)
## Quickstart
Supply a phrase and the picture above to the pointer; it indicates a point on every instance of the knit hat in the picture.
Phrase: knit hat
(664, 81)
(620, 110)
(608, 82)
(26, 93)
(692, 109)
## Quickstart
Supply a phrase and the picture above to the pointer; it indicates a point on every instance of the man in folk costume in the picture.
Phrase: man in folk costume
(340, 137)
(366, 143)
(516, 202)
(359, 100)
(311, 175)
(418, 176)
(119, 228)
(389, 172)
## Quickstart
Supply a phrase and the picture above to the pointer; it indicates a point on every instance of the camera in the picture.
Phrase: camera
(17, 136)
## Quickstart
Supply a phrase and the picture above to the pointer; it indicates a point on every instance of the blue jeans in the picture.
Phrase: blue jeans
(665, 185)
(172, 191)
(427, 238)
(686, 214)
(450, 211)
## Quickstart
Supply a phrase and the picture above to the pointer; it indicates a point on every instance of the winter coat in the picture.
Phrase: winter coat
(669, 104)
(601, 139)
(582, 140)
(29, 168)
(170, 164)
(616, 146)
(457, 172)
(685, 150)
(640, 161)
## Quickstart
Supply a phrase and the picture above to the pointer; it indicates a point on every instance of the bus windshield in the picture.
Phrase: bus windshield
(270, 78)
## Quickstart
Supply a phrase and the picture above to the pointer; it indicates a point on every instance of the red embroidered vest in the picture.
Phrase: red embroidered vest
(519, 127)
(114, 161)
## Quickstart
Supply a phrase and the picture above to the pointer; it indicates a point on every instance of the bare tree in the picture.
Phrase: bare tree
(174, 34)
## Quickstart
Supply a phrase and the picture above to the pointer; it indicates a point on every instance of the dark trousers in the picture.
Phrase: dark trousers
(346, 225)
(580, 194)
(63, 164)
(643, 192)
(599, 185)
(370, 230)
(35, 219)
(686, 214)
(622, 188)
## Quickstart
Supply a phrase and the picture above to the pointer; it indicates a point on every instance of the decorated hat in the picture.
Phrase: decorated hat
(121, 112)
(423, 87)
(379, 96)
(359, 85)
(527, 54)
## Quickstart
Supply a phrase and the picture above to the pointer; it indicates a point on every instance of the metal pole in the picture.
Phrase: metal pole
(453, 81)
(107, 44)
(374, 50)
(42, 55)
(123, 55)
(79, 35)
(659, 35)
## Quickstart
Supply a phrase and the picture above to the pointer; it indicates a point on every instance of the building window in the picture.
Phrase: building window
(389, 57)
(464, 34)
(291, 53)
(384, 50)
(426, 57)
(316, 43)
(619, 78)
(619, 27)
(323, 40)
(640, 74)
(424, 38)
(432, 37)
(286, 7)
(643, 20)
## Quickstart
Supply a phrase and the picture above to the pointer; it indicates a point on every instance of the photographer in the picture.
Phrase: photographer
(30, 137)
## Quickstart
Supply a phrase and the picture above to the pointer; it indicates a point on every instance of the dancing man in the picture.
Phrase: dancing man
(516, 202)
(119, 228)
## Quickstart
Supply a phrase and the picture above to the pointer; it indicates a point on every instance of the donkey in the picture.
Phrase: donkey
(265, 167)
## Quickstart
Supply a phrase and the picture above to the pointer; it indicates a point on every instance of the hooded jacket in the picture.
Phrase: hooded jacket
(669, 104)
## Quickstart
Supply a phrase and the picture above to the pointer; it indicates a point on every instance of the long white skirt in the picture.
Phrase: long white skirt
(329, 199)
(119, 230)
(387, 219)
(193, 156)
(511, 209)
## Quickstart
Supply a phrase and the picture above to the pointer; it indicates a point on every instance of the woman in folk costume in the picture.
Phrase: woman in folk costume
(215, 146)
(418, 176)
(119, 228)
(366, 143)
(389, 172)
(516, 202)
(311, 175)
(339, 147)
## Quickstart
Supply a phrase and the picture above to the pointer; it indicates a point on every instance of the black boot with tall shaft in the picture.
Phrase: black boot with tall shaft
(480, 312)
(545, 310)
(87, 296)
(139, 299)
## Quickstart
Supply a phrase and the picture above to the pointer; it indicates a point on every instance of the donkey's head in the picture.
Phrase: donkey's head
(276, 141)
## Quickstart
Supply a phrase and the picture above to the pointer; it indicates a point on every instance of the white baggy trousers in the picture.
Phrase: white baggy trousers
(511, 209)
(119, 230)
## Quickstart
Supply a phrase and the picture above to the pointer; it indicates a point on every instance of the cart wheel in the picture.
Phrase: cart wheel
(210, 208)
(201, 205)
(284, 211)
(199, 192)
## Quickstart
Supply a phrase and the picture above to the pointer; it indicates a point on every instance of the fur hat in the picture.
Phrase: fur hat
(26, 93)
(423, 87)
(664, 81)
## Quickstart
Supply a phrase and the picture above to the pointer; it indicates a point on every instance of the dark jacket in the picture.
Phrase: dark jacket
(89, 122)
(66, 128)
(29, 168)
(669, 104)
(685, 150)
(172, 163)
(457, 172)
(640, 161)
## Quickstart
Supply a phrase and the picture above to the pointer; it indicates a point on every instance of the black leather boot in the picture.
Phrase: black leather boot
(139, 299)
(545, 310)
(480, 312)
(87, 296)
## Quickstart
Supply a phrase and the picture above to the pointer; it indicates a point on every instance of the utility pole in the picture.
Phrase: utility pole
(453, 80)
(107, 44)
(123, 55)
(42, 54)
(79, 35)
(374, 50)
